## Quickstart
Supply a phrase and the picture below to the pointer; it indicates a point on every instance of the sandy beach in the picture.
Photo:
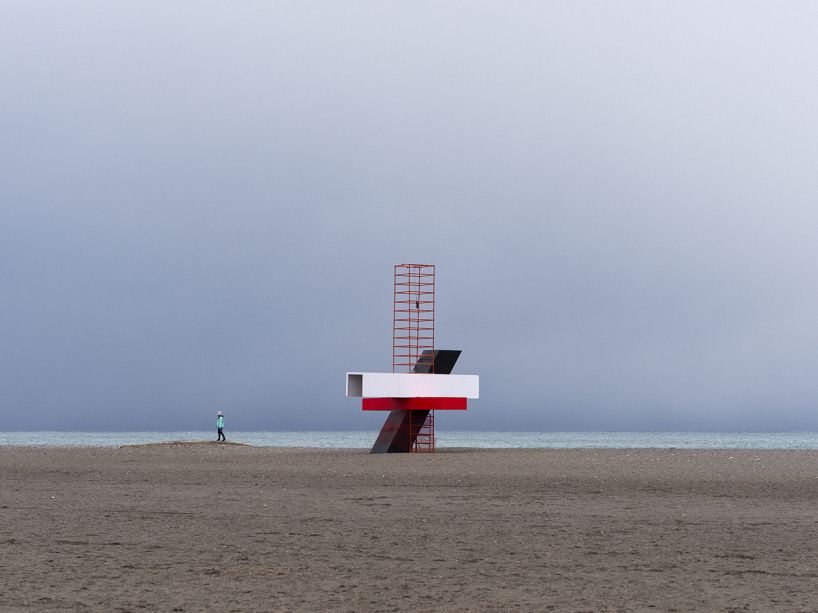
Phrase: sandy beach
(193, 527)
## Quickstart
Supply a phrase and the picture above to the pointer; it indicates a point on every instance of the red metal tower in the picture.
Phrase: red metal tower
(421, 381)
(413, 315)
(413, 340)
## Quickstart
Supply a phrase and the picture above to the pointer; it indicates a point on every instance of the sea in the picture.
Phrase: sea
(451, 439)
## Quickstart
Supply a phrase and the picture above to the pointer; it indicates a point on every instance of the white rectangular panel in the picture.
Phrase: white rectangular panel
(411, 385)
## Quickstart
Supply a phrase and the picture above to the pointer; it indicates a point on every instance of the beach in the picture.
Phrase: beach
(191, 527)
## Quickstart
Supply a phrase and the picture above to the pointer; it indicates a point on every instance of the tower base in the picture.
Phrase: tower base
(406, 432)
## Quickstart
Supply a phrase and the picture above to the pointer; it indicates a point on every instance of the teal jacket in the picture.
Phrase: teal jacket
(220, 421)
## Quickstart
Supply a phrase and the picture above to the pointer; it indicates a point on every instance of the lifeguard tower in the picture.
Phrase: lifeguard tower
(421, 381)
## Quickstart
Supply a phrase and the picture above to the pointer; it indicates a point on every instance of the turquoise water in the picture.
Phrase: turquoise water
(486, 440)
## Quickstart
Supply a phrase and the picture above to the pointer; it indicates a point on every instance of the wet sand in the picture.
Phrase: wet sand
(230, 528)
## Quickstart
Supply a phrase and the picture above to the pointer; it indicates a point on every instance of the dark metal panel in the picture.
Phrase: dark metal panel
(444, 361)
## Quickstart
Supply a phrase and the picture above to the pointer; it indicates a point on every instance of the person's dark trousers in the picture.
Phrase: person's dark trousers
(220, 436)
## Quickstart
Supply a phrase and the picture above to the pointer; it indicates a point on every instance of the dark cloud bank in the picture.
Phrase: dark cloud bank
(200, 205)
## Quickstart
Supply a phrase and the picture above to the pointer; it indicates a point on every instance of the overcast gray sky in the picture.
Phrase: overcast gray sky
(200, 206)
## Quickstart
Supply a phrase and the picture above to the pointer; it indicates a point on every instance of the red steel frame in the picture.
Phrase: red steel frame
(413, 332)
(413, 315)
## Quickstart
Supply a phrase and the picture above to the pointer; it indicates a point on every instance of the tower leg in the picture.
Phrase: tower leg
(397, 434)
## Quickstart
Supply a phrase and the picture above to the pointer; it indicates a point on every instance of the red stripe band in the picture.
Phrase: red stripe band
(415, 404)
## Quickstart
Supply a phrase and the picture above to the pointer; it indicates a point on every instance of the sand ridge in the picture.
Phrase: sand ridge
(185, 444)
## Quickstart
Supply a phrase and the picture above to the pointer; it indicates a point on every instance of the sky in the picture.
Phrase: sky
(201, 204)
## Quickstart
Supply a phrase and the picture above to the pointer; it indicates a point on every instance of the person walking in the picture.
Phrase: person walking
(219, 426)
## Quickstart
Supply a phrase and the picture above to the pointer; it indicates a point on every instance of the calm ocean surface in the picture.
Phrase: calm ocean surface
(493, 440)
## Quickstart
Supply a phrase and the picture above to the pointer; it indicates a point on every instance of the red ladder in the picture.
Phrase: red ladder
(422, 433)
(413, 315)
